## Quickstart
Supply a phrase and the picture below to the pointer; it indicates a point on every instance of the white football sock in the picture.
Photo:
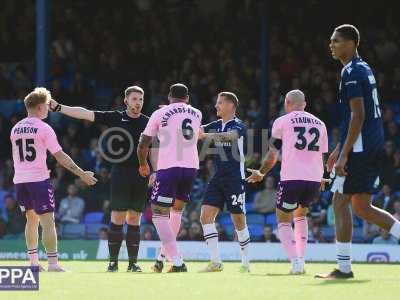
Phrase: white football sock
(343, 251)
(244, 241)
(211, 237)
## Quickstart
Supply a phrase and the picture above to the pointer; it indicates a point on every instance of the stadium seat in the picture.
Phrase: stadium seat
(255, 219)
(229, 230)
(328, 232)
(73, 231)
(224, 219)
(143, 219)
(249, 207)
(92, 230)
(93, 218)
(256, 231)
(357, 222)
(270, 219)
(358, 235)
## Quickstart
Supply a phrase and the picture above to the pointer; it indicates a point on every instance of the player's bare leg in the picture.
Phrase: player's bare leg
(49, 240)
(344, 233)
(175, 218)
(133, 239)
(32, 237)
(239, 221)
(207, 219)
(167, 237)
(115, 238)
(301, 235)
(362, 207)
(286, 235)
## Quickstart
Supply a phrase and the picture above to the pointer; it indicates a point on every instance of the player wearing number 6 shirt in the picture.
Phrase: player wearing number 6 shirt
(31, 138)
(357, 159)
(227, 185)
(177, 127)
(303, 140)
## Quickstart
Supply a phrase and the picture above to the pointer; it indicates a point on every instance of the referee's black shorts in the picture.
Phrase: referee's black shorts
(129, 190)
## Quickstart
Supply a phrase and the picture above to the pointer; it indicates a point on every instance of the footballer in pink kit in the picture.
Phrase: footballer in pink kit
(177, 128)
(31, 138)
(303, 139)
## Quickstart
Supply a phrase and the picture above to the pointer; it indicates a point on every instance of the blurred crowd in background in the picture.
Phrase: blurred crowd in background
(153, 44)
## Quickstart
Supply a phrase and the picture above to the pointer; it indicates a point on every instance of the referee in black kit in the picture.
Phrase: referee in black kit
(128, 188)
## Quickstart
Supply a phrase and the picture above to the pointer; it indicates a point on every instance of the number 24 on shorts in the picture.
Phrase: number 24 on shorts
(238, 199)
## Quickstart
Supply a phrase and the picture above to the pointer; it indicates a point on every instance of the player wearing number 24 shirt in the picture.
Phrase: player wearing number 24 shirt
(303, 139)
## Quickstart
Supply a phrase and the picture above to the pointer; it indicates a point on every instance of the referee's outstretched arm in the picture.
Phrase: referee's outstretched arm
(74, 112)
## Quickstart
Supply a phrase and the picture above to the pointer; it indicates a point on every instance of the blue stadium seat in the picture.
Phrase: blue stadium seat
(256, 231)
(249, 207)
(92, 230)
(143, 219)
(358, 235)
(93, 218)
(357, 222)
(229, 230)
(73, 231)
(270, 219)
(328, 232)
(255, 219)
(224, 219)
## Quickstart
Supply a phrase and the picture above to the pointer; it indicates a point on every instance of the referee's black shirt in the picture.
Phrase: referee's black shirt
(119, 141)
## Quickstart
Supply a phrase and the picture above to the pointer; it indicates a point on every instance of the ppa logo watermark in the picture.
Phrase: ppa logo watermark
(19, 278)
(116, 145)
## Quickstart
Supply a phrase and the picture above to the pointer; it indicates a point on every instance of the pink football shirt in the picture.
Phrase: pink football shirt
(304, 140)
(177, 127)
(30, 139)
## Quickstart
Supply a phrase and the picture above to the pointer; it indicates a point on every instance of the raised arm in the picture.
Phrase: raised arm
(67, 162)
(73, 112)
(220, 136)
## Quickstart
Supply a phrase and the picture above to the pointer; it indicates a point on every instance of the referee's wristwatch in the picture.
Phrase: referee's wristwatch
(57, 108)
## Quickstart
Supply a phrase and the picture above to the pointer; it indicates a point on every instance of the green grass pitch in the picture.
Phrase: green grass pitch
(88, 280)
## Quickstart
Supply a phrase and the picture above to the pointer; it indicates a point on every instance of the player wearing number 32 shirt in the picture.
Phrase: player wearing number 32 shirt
(303, 140)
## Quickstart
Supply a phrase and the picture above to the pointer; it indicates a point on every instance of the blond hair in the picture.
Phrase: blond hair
(38, 96)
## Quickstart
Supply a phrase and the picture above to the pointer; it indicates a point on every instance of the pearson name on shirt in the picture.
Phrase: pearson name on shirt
(21, 130)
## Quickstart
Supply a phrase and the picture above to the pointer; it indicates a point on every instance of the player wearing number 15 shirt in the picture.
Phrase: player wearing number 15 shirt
(31, 138)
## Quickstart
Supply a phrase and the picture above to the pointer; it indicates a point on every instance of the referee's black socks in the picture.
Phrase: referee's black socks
(115, 238)
(132, 242)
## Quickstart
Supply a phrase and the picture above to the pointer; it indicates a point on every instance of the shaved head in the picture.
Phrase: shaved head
(295, 96)
(295, 100)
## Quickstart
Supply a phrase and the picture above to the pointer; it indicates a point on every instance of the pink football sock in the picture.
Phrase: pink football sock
(52, 257)
(286, 235)
(301, 235)
(167, 237)
(175, 218)
(33, 256)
